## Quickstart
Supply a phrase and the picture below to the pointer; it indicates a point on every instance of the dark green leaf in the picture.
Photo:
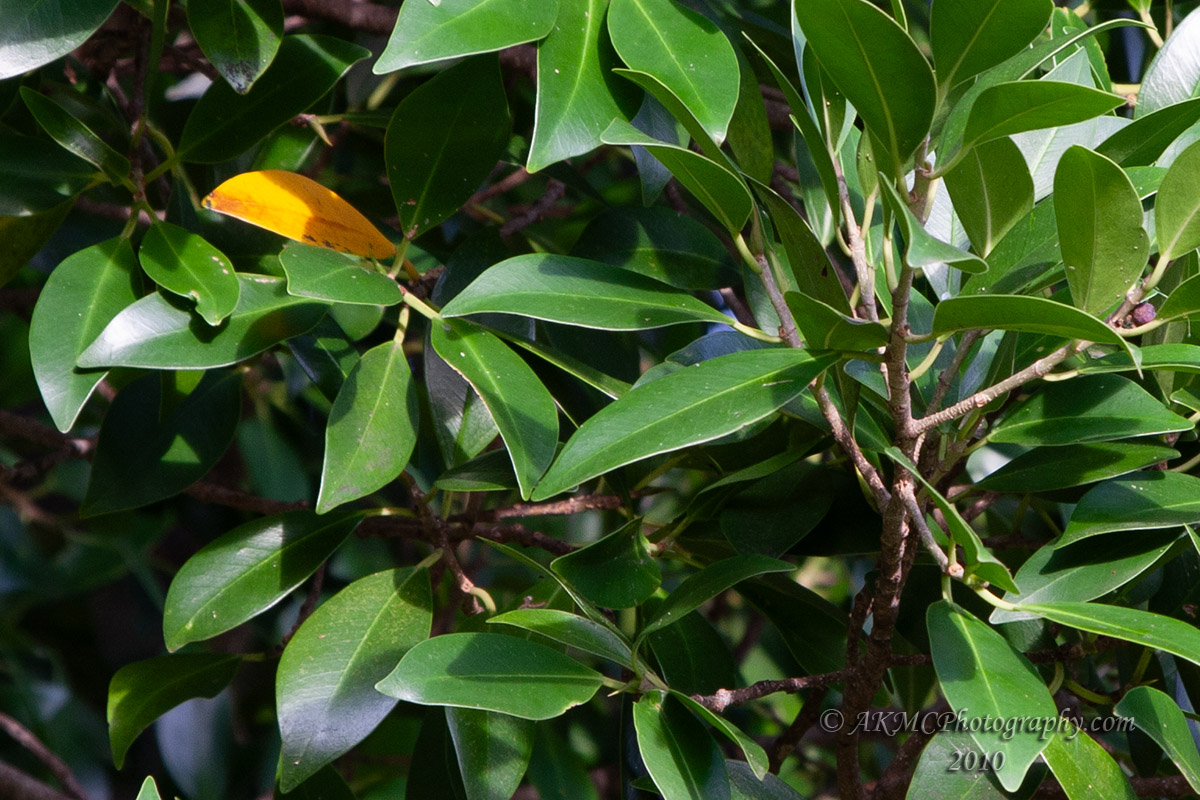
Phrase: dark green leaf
(323, 274)
(815, 276)
(1145, 500)
(75, 136)
(922, 249)
(1142, 142)
(489, 472)
(38, 175)
(225, 124)
(695, 405)
(1143, 628)
(22, 237)
(185, 264)
(325, 784)
(615, 572)
(992, 191)
(939, 772)
(1027, 314)
(970, 36)
(445, 138)
(708, 583)
(493, 751)
(143, 691)
(1085, 770)
(157, 334)
(678, 752)
(325, 685)
(427, 32)
(773, 513)
(756, 757)
(1159, 716)
(1046, 469)
(79, 299)
(491, 672)
(239, 37)
(570, 629)
(744, 785)
(1017, 106)
(1177, 207)
(248, 570)
(33, 35)
(325, 355)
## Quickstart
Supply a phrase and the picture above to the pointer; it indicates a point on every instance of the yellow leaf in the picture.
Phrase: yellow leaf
(299, 208)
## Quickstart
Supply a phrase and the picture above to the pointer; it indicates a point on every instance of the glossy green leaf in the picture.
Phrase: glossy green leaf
(1084, 573)
(444, 139)
(1184, 300)
(157, 333)
(577, 95)
(462, 422)
(22, 237)
(1174, 72)
(1143, 628)
(681, 757)
(1159, 716)
(1092, 408)
(756, 757)
(744, 785)
(185, 264)
(66, 129)
(489, 472)
(322, 274)
(750, 136)
(372, 427)
(239, 37)
(771, 514)
(38, 175)
(80, 297)
(685, 51)
(224, 124)
(492, 750)
(980, 673)
(577, 291)
(706, 584)
(247, 571)
(1171, 357)
(522, 409)
(812, 628)
(556, 770)
(969, 36)
(1046, 469)
(1014, 313)
(1177, 207)
(149, 790)
(1017, 106)
(922, 249)
(570, 629)
(35, 34)
(879, 69)
(992, 191)
(143, 455)
(1145, 500)
(426, 32)
(659, 243)
(1143, 141)
(325, 684)
(679, 112)
(1085, 770)
(694, 405)
(811, 269)
(940, 772)
(326, 355)
(1104, 245)
(617, 571)
(722, 192)
(491, 672)
(143, 691)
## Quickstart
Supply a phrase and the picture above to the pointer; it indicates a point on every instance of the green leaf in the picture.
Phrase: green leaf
(325, 784)
(941, 771)
(744, 785)
(980, 673)
(722, 192)
(879, 69)
(444, 139)
(992, 191)
(372, 427)
(1177, 207)
(1046, 469)
(80, 297)
(1016, 313)
(706, 584)
(325, 685)
(576, 291)
(683, 50)
(1159, 716)
(239, 37)
(522, 409)
(156, 333)
(491, 672)
(969, 36)
(72, 134)
(1018, 106)
(224, 124)
(426, 32)
(680, 112)
(1084, 573)
(1184, 300)
(185, 264)
(143, 691)
(659, 243)
(1143, 141)
(1142, 501)
(1171, 357)
(922, 249)
(493, 751)
(1085, 770)
(691, 406)
(35, 34)
(570, 629)
(1092, 408)
(1174, 73)
(327, 275)
(22, 237)
(681, 757)
(490, 472)
(617, 571)
(1104, 245)
(1127, 624)
(38, 175)
(247, 571)
(756, 757)
(149, 790)
(577, 95)
(144, 454)
(815, 276)
(812, 628)
(325, 355)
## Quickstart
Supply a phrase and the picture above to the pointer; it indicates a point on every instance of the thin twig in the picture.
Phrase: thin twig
(57, 767)
(554, 192)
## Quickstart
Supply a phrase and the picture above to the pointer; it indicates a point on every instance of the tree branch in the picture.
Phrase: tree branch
(57, 767)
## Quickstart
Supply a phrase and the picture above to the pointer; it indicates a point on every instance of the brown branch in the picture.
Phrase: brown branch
(554, 192)
(16, 785)
(845, 439)
(365, 17)
(572, 505)
(722, 699)
(235, 498)
(786, 743)
(57, 767)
